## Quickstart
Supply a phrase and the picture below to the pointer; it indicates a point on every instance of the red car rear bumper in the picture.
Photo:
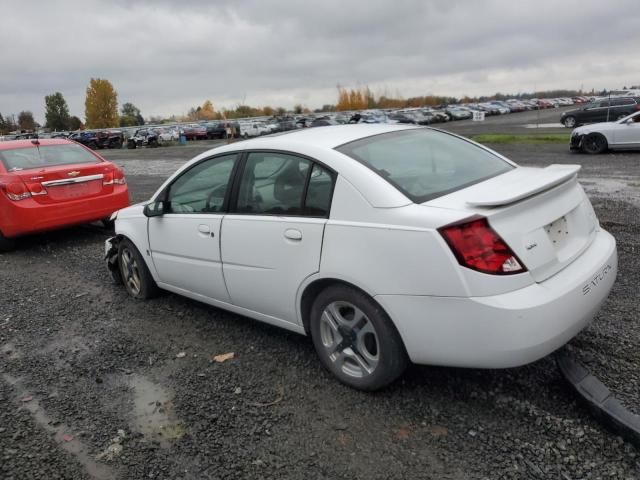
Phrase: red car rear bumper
(29, 216)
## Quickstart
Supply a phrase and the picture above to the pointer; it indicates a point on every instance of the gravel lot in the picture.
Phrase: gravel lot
(96, 385)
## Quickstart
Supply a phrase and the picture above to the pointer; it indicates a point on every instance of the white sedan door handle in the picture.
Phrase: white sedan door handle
(204, 229)
(293, 234)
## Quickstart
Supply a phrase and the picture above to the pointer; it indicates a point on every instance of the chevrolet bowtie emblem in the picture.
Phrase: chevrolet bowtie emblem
(75, 173)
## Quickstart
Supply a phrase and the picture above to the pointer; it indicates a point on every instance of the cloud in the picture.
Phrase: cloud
(166, 57)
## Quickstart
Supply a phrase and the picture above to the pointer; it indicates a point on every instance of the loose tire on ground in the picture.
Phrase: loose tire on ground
(355, 338)
(135, 275)
(594, 143)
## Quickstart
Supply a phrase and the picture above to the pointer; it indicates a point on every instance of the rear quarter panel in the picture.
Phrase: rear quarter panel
(388, 250)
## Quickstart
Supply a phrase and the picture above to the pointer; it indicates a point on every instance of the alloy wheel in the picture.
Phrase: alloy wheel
(130, 271)
(350, 339)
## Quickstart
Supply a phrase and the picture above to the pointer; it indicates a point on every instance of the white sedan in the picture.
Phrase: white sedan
(386, 244)
(623, 134)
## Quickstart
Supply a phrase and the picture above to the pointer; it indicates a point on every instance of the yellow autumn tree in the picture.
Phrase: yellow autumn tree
(206, 111)
(344, 102)
(354, 99)
(101, 104)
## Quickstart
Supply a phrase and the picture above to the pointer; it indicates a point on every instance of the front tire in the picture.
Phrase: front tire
(594, 143)
(355, 339)
(6, 244)
(135, 275)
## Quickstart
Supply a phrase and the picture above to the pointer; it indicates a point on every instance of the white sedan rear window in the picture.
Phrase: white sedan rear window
(424, 163)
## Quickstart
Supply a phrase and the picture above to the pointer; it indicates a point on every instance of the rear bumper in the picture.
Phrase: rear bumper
(511, 329)
(29, 216)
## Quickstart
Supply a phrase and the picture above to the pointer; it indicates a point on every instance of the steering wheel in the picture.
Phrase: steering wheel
(218, 191)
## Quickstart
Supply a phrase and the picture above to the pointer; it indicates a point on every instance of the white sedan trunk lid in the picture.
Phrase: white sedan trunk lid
(542, 214)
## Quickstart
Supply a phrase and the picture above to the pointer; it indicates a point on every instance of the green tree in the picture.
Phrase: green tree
(56, 112)
(101, 104)
(130, 115)
(26, 121)
(75, 123)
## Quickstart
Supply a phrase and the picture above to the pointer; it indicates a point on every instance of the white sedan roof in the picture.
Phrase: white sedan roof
(319, 143)
(327, 137)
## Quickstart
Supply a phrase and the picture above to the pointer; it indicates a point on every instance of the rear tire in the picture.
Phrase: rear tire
(570, 122)
(355, 339)
(131, 145)
(6, 244)
(594, 143)
(135, 275)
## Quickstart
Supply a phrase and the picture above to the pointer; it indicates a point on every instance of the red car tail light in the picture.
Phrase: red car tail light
(118, 177)
(478, 247)
(16, 191)
(36, 189)
(115, 177)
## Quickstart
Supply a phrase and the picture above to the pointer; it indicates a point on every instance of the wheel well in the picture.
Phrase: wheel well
(311, 292)
(597, 134)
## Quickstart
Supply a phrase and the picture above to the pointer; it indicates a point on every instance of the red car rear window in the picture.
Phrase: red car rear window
(45, 156)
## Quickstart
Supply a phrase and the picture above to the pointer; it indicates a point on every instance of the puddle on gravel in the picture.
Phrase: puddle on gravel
(61, 433)
(153, 413)
(612, 188)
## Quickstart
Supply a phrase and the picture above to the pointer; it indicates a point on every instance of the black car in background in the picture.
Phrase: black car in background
(215, 130)
(605, 110)
(101, 139)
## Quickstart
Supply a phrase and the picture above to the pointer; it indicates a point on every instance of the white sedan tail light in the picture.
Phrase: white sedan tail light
(477, 246)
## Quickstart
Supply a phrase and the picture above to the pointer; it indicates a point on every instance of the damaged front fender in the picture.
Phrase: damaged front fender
(111, 247)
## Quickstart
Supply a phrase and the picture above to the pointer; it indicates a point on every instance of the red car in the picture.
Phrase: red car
(54, 183)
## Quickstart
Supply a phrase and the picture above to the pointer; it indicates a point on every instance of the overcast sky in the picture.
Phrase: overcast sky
(167, 56)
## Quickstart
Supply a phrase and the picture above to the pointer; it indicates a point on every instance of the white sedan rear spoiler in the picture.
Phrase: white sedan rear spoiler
(521, 183)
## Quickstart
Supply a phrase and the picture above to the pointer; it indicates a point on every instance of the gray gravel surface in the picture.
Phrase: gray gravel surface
(133, 383)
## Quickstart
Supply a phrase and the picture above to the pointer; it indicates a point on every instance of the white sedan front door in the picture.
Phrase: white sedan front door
(272, 238)
(628, 134)
(185, 240)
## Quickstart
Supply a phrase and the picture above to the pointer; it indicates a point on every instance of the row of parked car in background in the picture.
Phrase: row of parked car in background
(589, 110)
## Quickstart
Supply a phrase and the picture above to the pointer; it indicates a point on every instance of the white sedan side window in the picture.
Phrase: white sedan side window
(202, 189)
(273, 183)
